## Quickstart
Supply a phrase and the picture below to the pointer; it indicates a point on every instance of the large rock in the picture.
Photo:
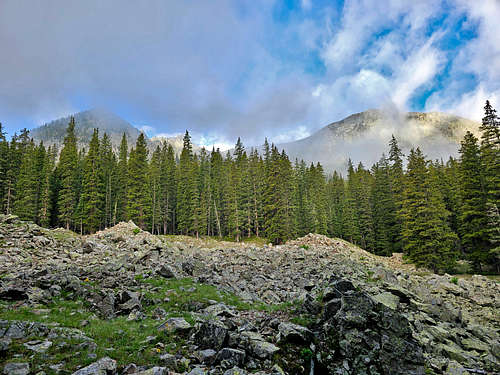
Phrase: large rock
(366, 337)
(104, 366)
(294, 333)
(229, 357)
(211, 335)
(179, 325)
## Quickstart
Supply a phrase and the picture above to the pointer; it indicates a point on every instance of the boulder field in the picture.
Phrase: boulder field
(124, 301)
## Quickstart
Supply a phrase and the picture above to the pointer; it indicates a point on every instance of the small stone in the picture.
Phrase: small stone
(38, 346)
(175, 325)
(206, 356)
(387, 299)
(235, 371)
(4, 344)
(130, 369)
(197, 371)
(154, 371)
(14, 368)
(276, 370)
(229, 357)
(454, 368)
(169, 361)
(159, 313)
(166, 272)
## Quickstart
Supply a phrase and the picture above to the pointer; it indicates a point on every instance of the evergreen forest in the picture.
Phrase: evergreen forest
(435, 212)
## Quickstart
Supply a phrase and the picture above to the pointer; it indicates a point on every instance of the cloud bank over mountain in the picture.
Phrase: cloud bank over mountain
(256, 69)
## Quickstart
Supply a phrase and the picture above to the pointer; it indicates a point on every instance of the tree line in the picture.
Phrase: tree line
(434, 212)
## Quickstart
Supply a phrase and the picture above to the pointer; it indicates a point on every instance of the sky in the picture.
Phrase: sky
(249, 68)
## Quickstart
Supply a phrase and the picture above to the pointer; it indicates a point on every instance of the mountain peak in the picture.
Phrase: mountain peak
(365, 136)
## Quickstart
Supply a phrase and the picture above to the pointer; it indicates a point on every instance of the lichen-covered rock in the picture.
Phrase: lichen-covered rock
(104, 366)
(368, 337)
(16, 368)
(211, 335)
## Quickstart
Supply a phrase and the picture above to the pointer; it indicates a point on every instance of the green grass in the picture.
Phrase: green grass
(122, 340)
(184, 292)
(60, 234)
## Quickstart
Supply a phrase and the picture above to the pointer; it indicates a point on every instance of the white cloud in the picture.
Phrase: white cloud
(417, 70)
(479, 57)
(306, 4)
(148, 130)
(291, 135)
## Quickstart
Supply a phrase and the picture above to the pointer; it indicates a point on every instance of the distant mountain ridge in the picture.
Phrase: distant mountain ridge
(361, 137)
(365, 136)
(114, 126)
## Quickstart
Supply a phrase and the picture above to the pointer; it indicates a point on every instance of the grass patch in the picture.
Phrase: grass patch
(125, 341)
(183, 293)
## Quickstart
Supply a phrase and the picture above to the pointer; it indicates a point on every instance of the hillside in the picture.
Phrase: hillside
(125, 301)
(364, 137)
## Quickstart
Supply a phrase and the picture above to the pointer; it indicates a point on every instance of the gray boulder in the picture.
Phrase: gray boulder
(104, 366)
(15, 368)
(289, 332)
(211, 335)
(229, 357)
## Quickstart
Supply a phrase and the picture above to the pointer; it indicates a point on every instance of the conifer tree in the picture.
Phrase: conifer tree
(120, 206)
(27, 185)
(186, 189)
(336, 192)
(4, 166)
(168, 188)
(255, 177)
(351, 223)
(68, 174)
(218, 187)
(384, 208)
(45, 212)
(91, 206)
(154, 180)
(427, 239)
(138, 202)
(108, 178)
(397, 186)
(472, 214)
(490, 163)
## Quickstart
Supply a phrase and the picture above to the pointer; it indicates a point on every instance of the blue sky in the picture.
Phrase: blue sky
(260, 68)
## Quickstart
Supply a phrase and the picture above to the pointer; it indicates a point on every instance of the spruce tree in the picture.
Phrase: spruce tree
(91, 206)
(25, 205)
(138, 202)
(384, 208)
(108, 178)
(120, 204)
(154, 181)
(472, 214)
(4, 166)
(490, 166)
(168, 188)
(397, 186)
(218, 187)
(186, 189)
(68, 174)
(427, 239)
(45, 211)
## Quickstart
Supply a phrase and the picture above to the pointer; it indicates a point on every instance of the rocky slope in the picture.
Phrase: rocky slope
(365, 136)
(124, 301)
